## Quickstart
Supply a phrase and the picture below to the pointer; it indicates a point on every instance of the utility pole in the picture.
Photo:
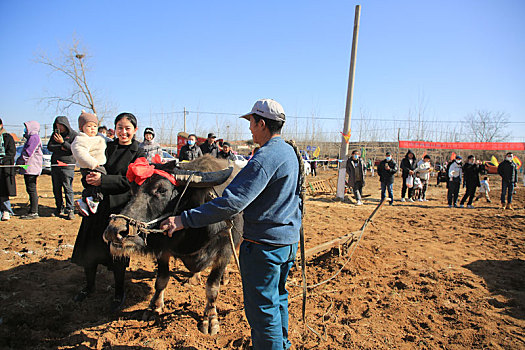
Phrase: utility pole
(184, 119)
(343, 153)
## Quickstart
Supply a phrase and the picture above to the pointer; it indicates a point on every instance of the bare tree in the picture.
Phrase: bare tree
(72, 63)
(487, 126)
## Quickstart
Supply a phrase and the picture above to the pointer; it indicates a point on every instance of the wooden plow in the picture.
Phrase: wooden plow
(343, 242)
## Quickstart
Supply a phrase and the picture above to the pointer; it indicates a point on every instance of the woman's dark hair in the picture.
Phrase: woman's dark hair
(273, 126)
(127, 116)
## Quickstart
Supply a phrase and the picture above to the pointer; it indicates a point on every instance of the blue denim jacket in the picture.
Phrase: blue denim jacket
(266, 190)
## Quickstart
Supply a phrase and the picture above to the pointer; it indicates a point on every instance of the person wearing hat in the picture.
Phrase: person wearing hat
(209, 146)
(89, 150)
(455, 175)
(150, 147)
(266, 190)
(386, 170)
(226, 152)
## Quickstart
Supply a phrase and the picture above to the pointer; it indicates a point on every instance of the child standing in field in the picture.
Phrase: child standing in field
(89, 150)
(484, 189)
(418, 186)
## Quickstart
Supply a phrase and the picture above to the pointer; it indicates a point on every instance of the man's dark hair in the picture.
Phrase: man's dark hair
(508, 153)
(273, 126)
(190, 135)
(102, 127)
(388, 154)
(485, 178)
(426, 156)
(470, 157)
(1, 122)
(354, 151)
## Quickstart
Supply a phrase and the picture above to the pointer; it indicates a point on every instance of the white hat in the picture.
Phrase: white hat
(267, 108)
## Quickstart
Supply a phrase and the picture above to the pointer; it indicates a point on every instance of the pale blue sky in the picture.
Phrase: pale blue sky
(162, 56)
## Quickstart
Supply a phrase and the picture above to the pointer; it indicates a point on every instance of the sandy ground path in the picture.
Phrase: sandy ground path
(423, 277)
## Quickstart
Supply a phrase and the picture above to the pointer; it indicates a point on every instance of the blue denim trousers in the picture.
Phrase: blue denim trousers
(384, 188)
(5, 205)
(507, 188)
(264, 270)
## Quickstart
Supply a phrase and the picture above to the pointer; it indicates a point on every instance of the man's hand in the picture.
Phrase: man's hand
(171, 224)
(58, 138)
(94, 179)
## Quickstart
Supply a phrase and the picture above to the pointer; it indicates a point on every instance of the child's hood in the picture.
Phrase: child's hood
(33, 127)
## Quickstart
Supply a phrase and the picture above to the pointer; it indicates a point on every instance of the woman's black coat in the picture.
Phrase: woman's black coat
(90, 249)
(7, 174)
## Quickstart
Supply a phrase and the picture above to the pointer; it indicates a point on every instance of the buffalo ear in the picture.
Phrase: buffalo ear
(202, 179)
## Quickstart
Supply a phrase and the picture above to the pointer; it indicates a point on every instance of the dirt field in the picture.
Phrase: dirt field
(423, 277)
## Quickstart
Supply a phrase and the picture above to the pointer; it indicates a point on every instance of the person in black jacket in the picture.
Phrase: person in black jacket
(386, 171)
(226, 152)
(471, 171)
(90, 249)
(408, 165)
(209, 146)
(7, 174)
(508, 170)
(62, 176)
(190, 150)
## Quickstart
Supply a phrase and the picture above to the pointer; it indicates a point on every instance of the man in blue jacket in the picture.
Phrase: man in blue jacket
(267, 192)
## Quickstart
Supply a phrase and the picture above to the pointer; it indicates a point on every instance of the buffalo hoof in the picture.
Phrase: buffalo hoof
(151, 315)
(117, 304)
(210, 326)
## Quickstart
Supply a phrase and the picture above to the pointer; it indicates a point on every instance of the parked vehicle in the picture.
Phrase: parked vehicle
(46, 160)
(240, 161)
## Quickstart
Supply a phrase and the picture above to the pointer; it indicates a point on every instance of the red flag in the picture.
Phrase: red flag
(59, 163)
(453, 156)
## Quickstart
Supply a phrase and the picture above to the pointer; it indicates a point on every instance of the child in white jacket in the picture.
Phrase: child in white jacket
(484, 190)
(89, 150)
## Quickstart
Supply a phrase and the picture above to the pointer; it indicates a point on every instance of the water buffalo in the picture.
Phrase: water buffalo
(197, 248)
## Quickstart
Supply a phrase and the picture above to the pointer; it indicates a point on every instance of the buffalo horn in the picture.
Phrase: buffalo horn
(202, 179)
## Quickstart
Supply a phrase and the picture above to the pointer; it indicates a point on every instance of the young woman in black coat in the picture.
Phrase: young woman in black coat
(90, 249)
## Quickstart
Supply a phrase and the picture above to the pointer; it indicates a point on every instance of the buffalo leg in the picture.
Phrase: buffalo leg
(156, 304)
(210, 323)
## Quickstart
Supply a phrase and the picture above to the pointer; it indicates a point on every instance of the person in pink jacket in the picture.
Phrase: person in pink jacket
(31, 157)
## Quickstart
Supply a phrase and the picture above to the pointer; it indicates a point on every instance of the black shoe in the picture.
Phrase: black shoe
(83, 294)
(30, 216)
(56, 213)
(117, 304)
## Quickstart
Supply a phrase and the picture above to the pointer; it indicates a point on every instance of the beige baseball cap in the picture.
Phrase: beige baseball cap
(267, 108)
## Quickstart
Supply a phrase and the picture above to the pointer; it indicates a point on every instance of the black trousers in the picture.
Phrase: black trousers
(453, 192)
(30, 181)
(469, 193)
(424, 189)
(404, 189)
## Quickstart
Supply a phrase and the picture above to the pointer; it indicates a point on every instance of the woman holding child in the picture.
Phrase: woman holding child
(90, 249)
